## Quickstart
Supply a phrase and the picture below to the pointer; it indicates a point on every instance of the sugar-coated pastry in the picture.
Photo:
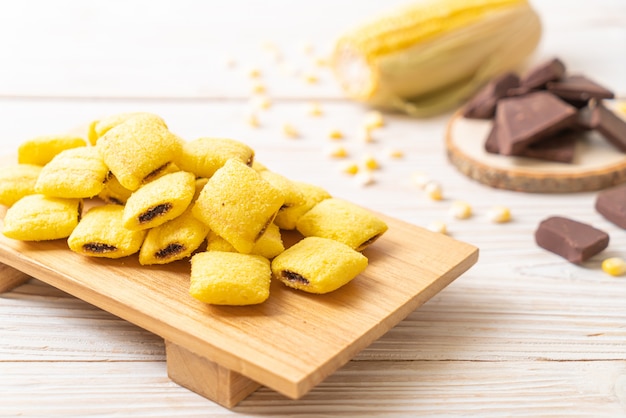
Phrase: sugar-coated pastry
(203, 156)
(287, 217)
(100, 127)
(159, 201)
(293, 198)
(101, 234)
(269, 245)
(173, 240)
(73, 173)
(40, 218)
(17, 181)
(113, 192)
(342, 221)
(230, 278)
(238, 204)
(137, 149)
(318, 265)
(42, 149)
(258, 166)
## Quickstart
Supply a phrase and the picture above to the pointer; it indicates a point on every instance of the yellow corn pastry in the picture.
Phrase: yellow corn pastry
(293, 198)
(342, 221)
(204, 156)
(159, 201)
(17, 181)
(100, 127)
(228, 278)
(238, 204)
(269, 245)
(113, 192)
(73, 173)
(101, 234)
(137, 149)
(40, 218)
(287, 217)
(173, 240)
(318, 265)
(42, 149)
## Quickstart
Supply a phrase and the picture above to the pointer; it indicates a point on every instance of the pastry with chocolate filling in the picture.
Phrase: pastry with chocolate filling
(101, 233)
(17, 181)
(159, 201)
(42, 149)
(204, 156)
(37, 217)
(342, 221)
(287, 214)
(73, 173)
(318, 265)
(238, 204)
(99, 127)
(269, 245)
(230, 278)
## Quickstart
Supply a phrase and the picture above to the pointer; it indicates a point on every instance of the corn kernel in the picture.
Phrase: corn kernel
(254, 73)
(365, 178)
(350, 167)
(365, 135)
(499, 214)
(394, 153)
(420, 179)
(433, 190)
(290, 131)
(260, 102)
(461, 210)
(315, 109)
(253, 120)
(370, 163)
(258, 88)
(338, 152)
(311, 78)
(374, 120)
(615, 266)
(335, 134)
(437, 226)
(321, 62)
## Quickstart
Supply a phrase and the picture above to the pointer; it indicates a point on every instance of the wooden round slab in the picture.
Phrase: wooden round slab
(597, 164)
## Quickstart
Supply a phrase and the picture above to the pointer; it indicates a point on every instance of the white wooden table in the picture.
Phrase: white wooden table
(523, 333)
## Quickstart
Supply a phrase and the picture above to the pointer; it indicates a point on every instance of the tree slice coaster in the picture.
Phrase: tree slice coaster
(597, 164)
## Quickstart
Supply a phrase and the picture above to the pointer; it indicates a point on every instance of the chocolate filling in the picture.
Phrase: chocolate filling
(154, 211)
(169, 251)
(262, 231)
(368, 242)
(99, 247)
(155, 173)
(294, 277)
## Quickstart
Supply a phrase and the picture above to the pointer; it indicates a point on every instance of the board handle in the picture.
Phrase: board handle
(11, 278)
(206, 377)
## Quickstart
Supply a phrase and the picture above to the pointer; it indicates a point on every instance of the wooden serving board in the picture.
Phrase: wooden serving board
(597, 164)
(289, 343)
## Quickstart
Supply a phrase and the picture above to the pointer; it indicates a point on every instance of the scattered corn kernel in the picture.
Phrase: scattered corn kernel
(499, 214)
(350, 167)
(420, 179)
(337, 152)
(461, 210)
(437, 226)
(615, 266)
(259, 88)
(260, 102)
(254, 73)
(394, 153)
(374, 120)
(311, 78)
(365, 178)
(315, 109)
(335, 134)
(433, 190)
(253, 120)
(290, 131)
(370, 163)
(321, 62)
(365, 135)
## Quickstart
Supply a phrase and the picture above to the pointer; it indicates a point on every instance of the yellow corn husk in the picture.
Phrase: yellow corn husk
(427, 58)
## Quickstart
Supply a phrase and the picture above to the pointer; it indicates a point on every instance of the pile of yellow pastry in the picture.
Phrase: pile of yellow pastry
(166, 199)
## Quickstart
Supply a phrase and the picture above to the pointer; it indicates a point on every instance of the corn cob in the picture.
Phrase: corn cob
(427, 58)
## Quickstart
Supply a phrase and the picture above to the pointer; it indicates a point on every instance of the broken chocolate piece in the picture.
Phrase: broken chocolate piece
(611, 126)
(540, 75)
(524, 120)
(575, 241)
(483, 104)
(611, 204)
(578, 89)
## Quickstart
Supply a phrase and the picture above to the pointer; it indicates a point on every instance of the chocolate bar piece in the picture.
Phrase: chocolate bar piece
(611, 126)
(559, 148)
(575, 241)
(578, 88)
(611, 204)
(483, 104)
(523, 120)
(540, 75)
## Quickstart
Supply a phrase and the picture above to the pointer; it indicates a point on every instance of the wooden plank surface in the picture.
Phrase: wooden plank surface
(522, 333)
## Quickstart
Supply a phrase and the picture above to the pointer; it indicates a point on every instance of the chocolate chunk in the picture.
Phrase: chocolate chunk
(611, 204)
(540, 75)
(572, 240)
(154, 211)
(611, 126)
(294, 277)
(483, 104)
(578, 89)
(99, 247)
(169, 251)
(527, 119)
(559, 148)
